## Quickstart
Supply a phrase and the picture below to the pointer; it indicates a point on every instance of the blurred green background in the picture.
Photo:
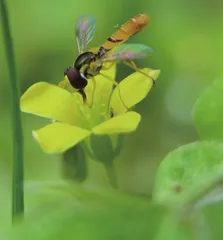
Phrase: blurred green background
(187, 40)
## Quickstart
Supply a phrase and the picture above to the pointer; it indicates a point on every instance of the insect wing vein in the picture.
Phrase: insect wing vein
(127, 52)
(85, 30)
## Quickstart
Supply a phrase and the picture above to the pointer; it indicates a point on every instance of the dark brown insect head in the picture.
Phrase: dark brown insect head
(75, 78)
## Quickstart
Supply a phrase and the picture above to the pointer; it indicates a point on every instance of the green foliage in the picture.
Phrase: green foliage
(208, 117)
(189, 179)
(187, 171)
(69, 212)
(186, 177)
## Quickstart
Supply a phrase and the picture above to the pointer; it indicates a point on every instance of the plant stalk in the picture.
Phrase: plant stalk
(17, 182)
(110, 170)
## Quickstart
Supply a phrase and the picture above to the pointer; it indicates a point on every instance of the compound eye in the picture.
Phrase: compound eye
(77, 80)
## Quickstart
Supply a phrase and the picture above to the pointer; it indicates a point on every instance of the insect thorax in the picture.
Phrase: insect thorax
(86, 64)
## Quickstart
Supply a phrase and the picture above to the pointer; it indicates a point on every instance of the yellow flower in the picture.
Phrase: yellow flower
(73, 121)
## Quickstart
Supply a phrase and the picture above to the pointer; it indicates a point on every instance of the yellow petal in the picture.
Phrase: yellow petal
(123, 123)
(133, 89)
(58, 137)
(50, 101)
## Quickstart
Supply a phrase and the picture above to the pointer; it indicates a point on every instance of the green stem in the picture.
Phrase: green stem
(110, 170)
(17, 182)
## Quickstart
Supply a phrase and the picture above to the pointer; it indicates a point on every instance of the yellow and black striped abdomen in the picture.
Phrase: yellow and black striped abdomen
(127, 30)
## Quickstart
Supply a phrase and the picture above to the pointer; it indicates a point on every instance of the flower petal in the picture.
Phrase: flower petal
(58, 137)
(50, 101)
(134, 89)
(123, 123)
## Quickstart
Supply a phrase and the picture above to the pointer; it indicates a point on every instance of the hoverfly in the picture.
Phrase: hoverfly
(88, 64)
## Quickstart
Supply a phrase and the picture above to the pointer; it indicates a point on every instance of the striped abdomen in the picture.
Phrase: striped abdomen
(127, 30)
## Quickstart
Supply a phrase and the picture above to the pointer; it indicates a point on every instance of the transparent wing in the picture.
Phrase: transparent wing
(85, 30)
(127, 52)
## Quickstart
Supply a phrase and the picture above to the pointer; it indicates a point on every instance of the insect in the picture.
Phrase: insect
(89, 64)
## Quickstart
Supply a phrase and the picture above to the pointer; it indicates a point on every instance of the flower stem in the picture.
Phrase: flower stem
(17, 182)
(110, 170)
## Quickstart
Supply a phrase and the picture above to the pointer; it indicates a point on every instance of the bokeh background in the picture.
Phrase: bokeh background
(187, 40)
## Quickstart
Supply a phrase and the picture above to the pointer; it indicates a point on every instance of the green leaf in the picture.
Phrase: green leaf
(58, 137)
(187, 172)
(172, 228)
(214, 220)
(207, 112)
(175, 226)
(87, 214)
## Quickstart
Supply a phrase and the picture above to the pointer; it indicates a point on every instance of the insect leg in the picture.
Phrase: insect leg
(83, 94)
(117, 85)
(93, 91)
(132, 65)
